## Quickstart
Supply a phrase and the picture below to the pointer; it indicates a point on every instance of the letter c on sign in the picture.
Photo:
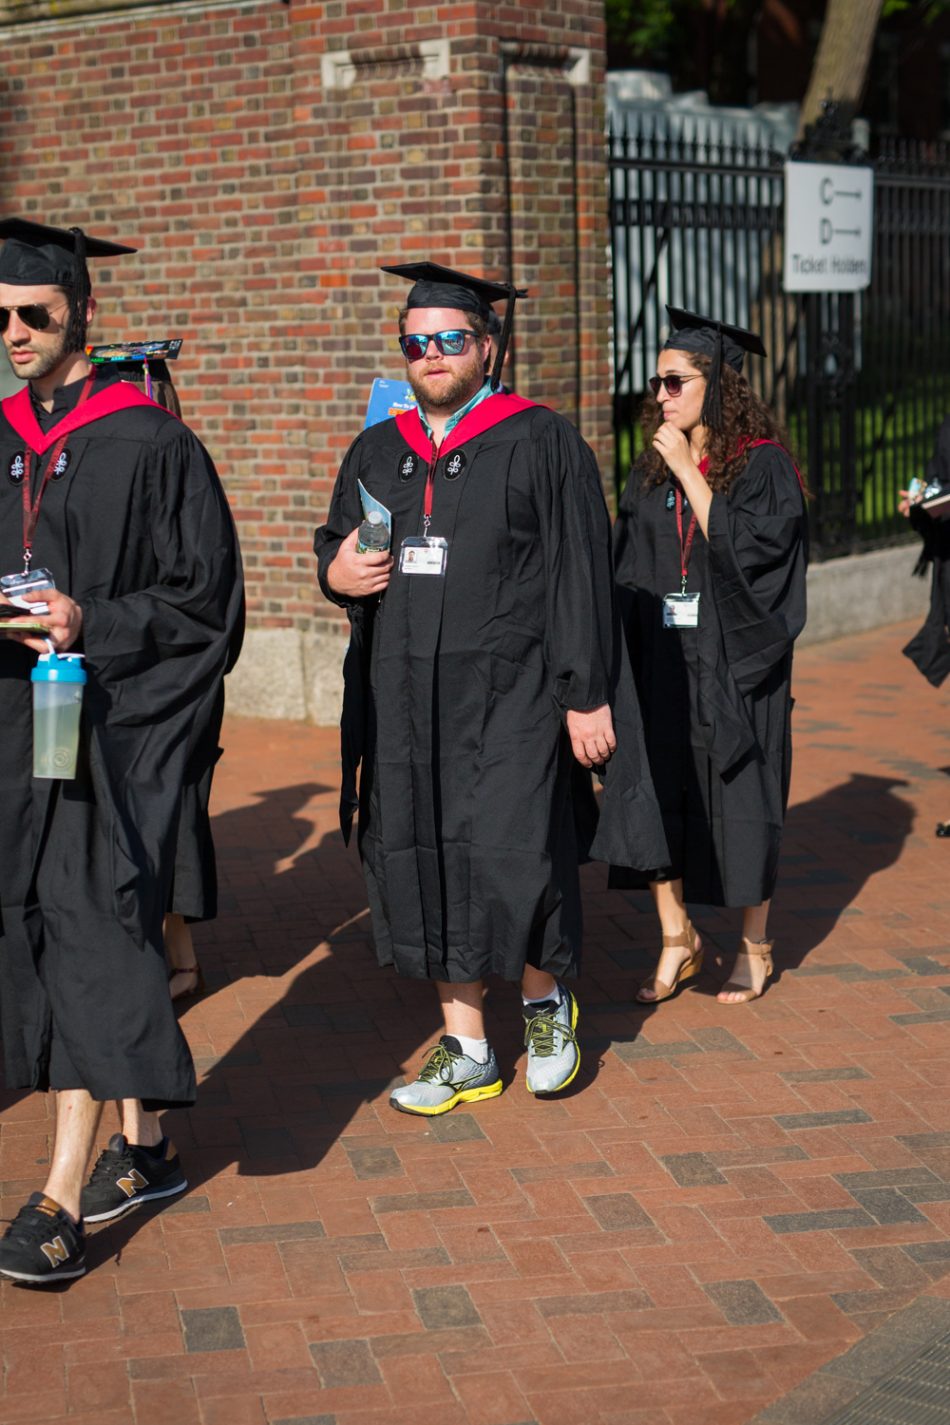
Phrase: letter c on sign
(827, 191)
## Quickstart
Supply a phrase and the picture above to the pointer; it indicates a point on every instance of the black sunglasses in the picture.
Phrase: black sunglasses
(674, 384)
(34, 315)
(451, 343)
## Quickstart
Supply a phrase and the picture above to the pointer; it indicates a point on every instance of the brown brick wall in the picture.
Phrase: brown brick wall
(264, 201)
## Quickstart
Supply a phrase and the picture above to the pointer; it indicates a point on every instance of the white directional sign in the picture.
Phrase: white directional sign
(829, 214)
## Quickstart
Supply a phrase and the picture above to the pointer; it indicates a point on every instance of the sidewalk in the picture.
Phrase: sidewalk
(728, 1198)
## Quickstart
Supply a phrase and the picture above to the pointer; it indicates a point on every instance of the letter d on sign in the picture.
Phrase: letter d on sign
(825, 231)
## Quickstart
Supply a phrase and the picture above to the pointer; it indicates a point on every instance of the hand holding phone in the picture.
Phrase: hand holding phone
(14, 586)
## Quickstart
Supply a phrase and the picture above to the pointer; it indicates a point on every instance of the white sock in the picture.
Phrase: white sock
(544, 999)
(476, 1049)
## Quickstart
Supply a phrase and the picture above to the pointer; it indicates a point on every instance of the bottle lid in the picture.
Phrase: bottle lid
(59, 668)
(374, 517)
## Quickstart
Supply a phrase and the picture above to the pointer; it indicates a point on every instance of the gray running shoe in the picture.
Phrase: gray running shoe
(553, 1054)
(448, 1077)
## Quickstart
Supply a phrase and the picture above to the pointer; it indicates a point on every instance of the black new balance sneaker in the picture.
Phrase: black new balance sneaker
(126, 1176)
(42, 1244)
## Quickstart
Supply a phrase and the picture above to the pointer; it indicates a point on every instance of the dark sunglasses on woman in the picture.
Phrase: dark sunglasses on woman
(674, 384)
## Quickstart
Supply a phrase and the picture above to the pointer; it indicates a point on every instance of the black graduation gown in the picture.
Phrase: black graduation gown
(194, 891)
(138, 531)
(716, 700)
(456, 689)
(929, 649)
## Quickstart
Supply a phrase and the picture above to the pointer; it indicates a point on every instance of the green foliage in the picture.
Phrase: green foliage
(645, 27)
(926, 10)
(662, 34)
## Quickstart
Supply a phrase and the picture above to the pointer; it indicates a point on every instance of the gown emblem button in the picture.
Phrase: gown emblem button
(454, 465)
(408, 465)
(16, 469)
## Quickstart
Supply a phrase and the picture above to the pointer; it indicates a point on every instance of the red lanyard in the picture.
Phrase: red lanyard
(687, 544)
(430, 488)
(31, 508)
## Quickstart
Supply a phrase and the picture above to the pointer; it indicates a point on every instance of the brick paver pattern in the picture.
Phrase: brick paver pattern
(727, 1198)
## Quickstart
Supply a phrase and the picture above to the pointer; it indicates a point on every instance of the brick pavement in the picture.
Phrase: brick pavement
(727, 1199)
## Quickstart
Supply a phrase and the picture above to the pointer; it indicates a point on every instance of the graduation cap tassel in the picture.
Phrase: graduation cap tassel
(503, 339)
(711, 414)
(79, 300)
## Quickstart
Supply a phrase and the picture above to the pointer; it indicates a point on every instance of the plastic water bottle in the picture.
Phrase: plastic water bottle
(58, 681)
(372, 536)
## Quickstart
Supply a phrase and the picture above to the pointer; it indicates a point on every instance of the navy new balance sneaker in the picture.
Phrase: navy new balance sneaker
(125, 1176)
(42, 1244)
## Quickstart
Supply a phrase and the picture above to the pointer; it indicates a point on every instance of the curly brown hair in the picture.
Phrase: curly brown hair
(746, 418)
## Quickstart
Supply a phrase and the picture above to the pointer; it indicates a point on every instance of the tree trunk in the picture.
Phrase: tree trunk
(843, 58)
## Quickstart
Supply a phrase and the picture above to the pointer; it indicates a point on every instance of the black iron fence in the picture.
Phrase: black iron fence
(861, 381)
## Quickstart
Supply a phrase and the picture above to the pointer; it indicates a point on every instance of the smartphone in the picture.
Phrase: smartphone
(14, 586)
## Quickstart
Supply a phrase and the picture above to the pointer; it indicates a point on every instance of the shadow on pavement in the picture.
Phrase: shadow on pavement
(833, 845)
(312, 1061)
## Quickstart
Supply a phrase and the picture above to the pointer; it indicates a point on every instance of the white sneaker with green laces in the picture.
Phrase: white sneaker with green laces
(553, 1053)
(448, 1077)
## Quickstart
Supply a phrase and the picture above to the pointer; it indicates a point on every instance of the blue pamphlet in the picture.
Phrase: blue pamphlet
(388, 398)
(370, 503)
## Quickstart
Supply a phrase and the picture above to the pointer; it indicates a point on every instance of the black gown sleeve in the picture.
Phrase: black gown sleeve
(757, 561)
(929, 649)
(629, 830)
(626, 531)
(344, 516)
(575, 534)
(190, 614)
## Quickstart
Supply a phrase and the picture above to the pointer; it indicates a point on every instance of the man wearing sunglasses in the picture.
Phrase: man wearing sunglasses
(478, 678)
(118, 501)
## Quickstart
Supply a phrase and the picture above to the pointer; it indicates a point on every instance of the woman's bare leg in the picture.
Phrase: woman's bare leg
(749, 971)
(674, 918)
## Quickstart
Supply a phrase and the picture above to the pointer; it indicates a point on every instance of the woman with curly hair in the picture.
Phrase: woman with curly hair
(711, 549)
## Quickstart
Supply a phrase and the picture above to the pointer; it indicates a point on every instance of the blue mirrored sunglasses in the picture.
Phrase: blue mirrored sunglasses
(450, 343)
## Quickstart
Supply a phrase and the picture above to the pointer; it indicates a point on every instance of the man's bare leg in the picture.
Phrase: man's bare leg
(139, 1127)
(462, 1008)
(538, 984)
(447, 1077)
(77, 1118)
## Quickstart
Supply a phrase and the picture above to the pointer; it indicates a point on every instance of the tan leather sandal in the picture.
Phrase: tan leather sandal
(758, 950)
(659, 990)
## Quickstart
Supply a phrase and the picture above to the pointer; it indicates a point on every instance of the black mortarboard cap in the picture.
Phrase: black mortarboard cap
(37, 255)
(438, 286)
(718, 340)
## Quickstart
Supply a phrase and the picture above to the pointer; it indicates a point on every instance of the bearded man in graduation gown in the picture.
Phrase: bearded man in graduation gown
(478, 682)
(120, 502)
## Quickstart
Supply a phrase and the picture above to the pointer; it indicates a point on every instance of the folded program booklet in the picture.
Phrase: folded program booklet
(22, 625)
(938, 506)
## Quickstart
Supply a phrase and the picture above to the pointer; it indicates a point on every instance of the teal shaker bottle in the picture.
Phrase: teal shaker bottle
(58, 680)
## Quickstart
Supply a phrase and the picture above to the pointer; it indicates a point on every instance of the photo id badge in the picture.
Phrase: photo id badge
(680, 610)
(423, 554)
